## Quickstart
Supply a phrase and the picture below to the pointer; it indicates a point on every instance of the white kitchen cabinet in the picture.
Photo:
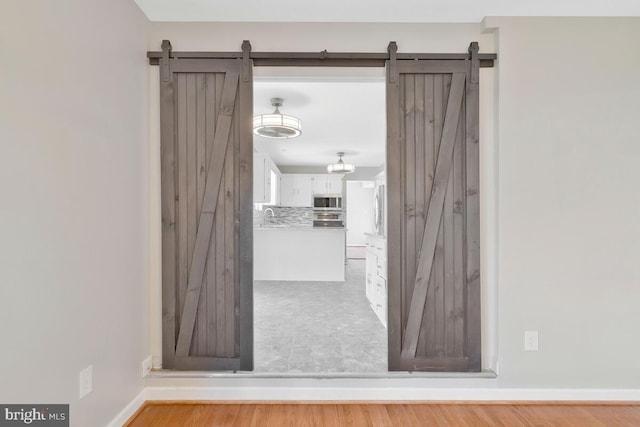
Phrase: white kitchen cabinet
(335, 184)
(299, 189)
(260, 195)
(376, 275)
(296, 190)
(266, 179)
(327, 184)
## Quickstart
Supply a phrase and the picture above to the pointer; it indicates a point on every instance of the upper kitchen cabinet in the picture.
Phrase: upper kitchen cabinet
(296, 190)
(327, 184)
(299, 189)
(266, 180)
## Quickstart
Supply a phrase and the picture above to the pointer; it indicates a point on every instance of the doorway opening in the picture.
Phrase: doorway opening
(319, 271)
(432, 190)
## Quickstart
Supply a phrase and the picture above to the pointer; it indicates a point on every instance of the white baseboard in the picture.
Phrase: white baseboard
(129, 410)
(387, 394)
(370, 394)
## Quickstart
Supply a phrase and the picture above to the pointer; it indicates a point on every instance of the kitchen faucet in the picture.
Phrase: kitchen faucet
(264, 215)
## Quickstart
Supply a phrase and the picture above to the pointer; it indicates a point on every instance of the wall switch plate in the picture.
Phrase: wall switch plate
(146, 366)
(85, 382)
(530, 340)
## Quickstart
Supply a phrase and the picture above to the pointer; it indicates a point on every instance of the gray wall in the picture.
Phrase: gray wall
(569, 205)
(73, 218)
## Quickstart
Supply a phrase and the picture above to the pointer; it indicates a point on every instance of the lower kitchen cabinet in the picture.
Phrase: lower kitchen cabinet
(376, 275)
(303, 254)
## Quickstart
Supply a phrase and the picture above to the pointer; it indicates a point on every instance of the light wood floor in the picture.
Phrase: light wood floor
(162, 414)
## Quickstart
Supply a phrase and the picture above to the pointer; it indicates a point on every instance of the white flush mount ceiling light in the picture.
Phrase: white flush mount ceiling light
(277, 125)
(341, 166)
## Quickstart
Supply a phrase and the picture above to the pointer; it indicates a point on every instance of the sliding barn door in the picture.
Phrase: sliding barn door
(433, 214)
(206, 144)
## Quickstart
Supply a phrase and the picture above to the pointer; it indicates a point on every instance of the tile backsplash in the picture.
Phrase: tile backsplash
(294, 216)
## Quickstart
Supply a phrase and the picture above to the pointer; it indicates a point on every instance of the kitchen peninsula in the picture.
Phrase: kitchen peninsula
(299, 253)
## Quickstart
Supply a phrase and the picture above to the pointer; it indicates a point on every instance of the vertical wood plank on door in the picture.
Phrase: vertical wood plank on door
(191, 171)
(181, 196)
(244, 217)
(213, 93)
(440, 283)
(201, 137)
(449, 267)
(429, 164)
(402, 218)
(237, 224)
(409, 169)
(221, 286)
(473, 331)
(419, 158)
(212, 297)
(394, 219)
(228, 194)
(168, 206)
(457, 315)
(199, 343)
(429, 317)
(218, 331)
(203, 315)
(218, 236)
(419, 175)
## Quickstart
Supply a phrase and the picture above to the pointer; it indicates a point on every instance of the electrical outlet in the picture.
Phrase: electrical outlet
(530, 340)
(146, 366)
(85, 382)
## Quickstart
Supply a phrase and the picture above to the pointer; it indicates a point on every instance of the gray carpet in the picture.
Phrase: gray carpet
(318, 326)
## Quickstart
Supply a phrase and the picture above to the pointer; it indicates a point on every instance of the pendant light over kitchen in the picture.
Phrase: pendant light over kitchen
(340, 166)
(277, 125)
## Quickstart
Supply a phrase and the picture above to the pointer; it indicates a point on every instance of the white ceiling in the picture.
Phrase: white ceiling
(347, 114)
(376, 10)
(338, 114)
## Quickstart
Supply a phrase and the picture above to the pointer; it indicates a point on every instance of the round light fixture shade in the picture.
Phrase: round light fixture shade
(340, 166)
(277, 125)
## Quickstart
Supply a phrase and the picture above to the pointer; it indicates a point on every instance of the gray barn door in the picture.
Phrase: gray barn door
(433, 214)
(206, 149)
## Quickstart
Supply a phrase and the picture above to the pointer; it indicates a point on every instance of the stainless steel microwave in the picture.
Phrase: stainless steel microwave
(327, 201)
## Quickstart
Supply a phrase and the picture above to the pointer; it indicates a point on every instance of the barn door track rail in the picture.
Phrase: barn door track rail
(314, 59)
